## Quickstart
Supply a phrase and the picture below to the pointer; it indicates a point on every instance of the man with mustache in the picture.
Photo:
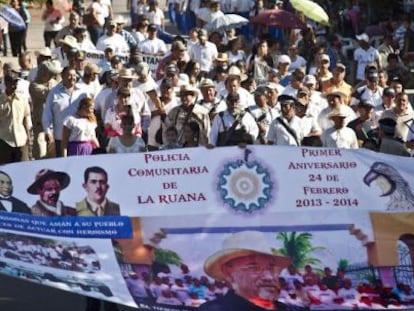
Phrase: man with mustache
(96, 203)
(48, 185)
(248, 264)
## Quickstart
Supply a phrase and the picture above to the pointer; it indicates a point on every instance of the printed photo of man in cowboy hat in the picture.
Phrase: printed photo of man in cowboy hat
(248, 264)
(48, 184)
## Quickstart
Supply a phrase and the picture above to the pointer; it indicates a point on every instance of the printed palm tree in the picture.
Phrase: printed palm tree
(167, 257)
(342, 264)
(298, 246)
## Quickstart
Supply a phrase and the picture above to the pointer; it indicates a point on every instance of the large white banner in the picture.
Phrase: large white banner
(176, 221)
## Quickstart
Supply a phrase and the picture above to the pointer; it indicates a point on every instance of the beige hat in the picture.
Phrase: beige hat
(47, 174)
(222, 57)
(120, 19)
(92, 68)
(207, 83)
(70, 41)
(44, 52)
(127, 73)
(238, 245)
(53, 66)
(341, 112)
(184, 89)
(338, 93)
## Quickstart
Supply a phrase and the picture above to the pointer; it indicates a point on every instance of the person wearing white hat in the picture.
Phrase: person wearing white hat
(209, 99)
(335, 100)
(339, 135)
(188, 112)
(284, 73)
(363, 55)
(128, 37)
(247, 262)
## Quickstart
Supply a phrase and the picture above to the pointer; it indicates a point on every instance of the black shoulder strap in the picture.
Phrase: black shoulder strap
(289, 129)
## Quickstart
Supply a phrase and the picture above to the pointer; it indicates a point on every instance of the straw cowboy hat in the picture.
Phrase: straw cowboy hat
(70, 41)
(238, 245)
(339, 112)
(185, 89)
(337, 93)
(127, 73)
(46, 174)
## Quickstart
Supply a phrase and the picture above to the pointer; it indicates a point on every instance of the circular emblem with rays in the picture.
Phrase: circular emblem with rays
(245, 186)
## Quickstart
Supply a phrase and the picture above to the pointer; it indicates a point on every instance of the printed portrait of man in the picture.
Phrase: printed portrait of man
(247, 263)
(48, 185)
(9, 203)
(96, 203)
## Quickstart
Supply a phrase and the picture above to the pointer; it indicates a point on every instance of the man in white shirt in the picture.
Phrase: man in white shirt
(152, 45)
(339, 136)
(112, 39)
(204, 52)
(61, 102)
(335, 99)
(234, 125)
(286, 129)
(364, 55)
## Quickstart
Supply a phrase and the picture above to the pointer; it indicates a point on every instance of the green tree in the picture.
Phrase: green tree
(167, 257)
(342, 264)
(298, 246)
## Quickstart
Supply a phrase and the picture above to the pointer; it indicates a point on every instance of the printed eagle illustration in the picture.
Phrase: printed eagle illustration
(393, 185)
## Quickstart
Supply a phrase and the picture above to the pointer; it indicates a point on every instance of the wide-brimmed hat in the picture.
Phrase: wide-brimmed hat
(207, 83)
(46, 174)
(70, 41)
(53, 66)
(120, 19)
(127, 73)
(340, 111)
(46, 52)
(222, 57)
(187, 88)
(241, 244)
(92, 68)
(336, 93)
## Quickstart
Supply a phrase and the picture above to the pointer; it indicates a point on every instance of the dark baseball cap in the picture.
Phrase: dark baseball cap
(389, 92)
(372, 76)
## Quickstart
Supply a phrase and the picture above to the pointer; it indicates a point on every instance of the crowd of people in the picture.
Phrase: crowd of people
(318, 291)
(208, 89)
(49, 253)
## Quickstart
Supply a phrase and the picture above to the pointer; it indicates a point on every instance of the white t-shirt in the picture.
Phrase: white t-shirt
(81, 129)
(100, 11)
(299, 62)
(54, 21)
(155, 17)
(116, 145)
(116, 41)
(153, 46)
(363, 57)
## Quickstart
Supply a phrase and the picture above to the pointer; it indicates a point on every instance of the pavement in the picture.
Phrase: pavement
(18, 295)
